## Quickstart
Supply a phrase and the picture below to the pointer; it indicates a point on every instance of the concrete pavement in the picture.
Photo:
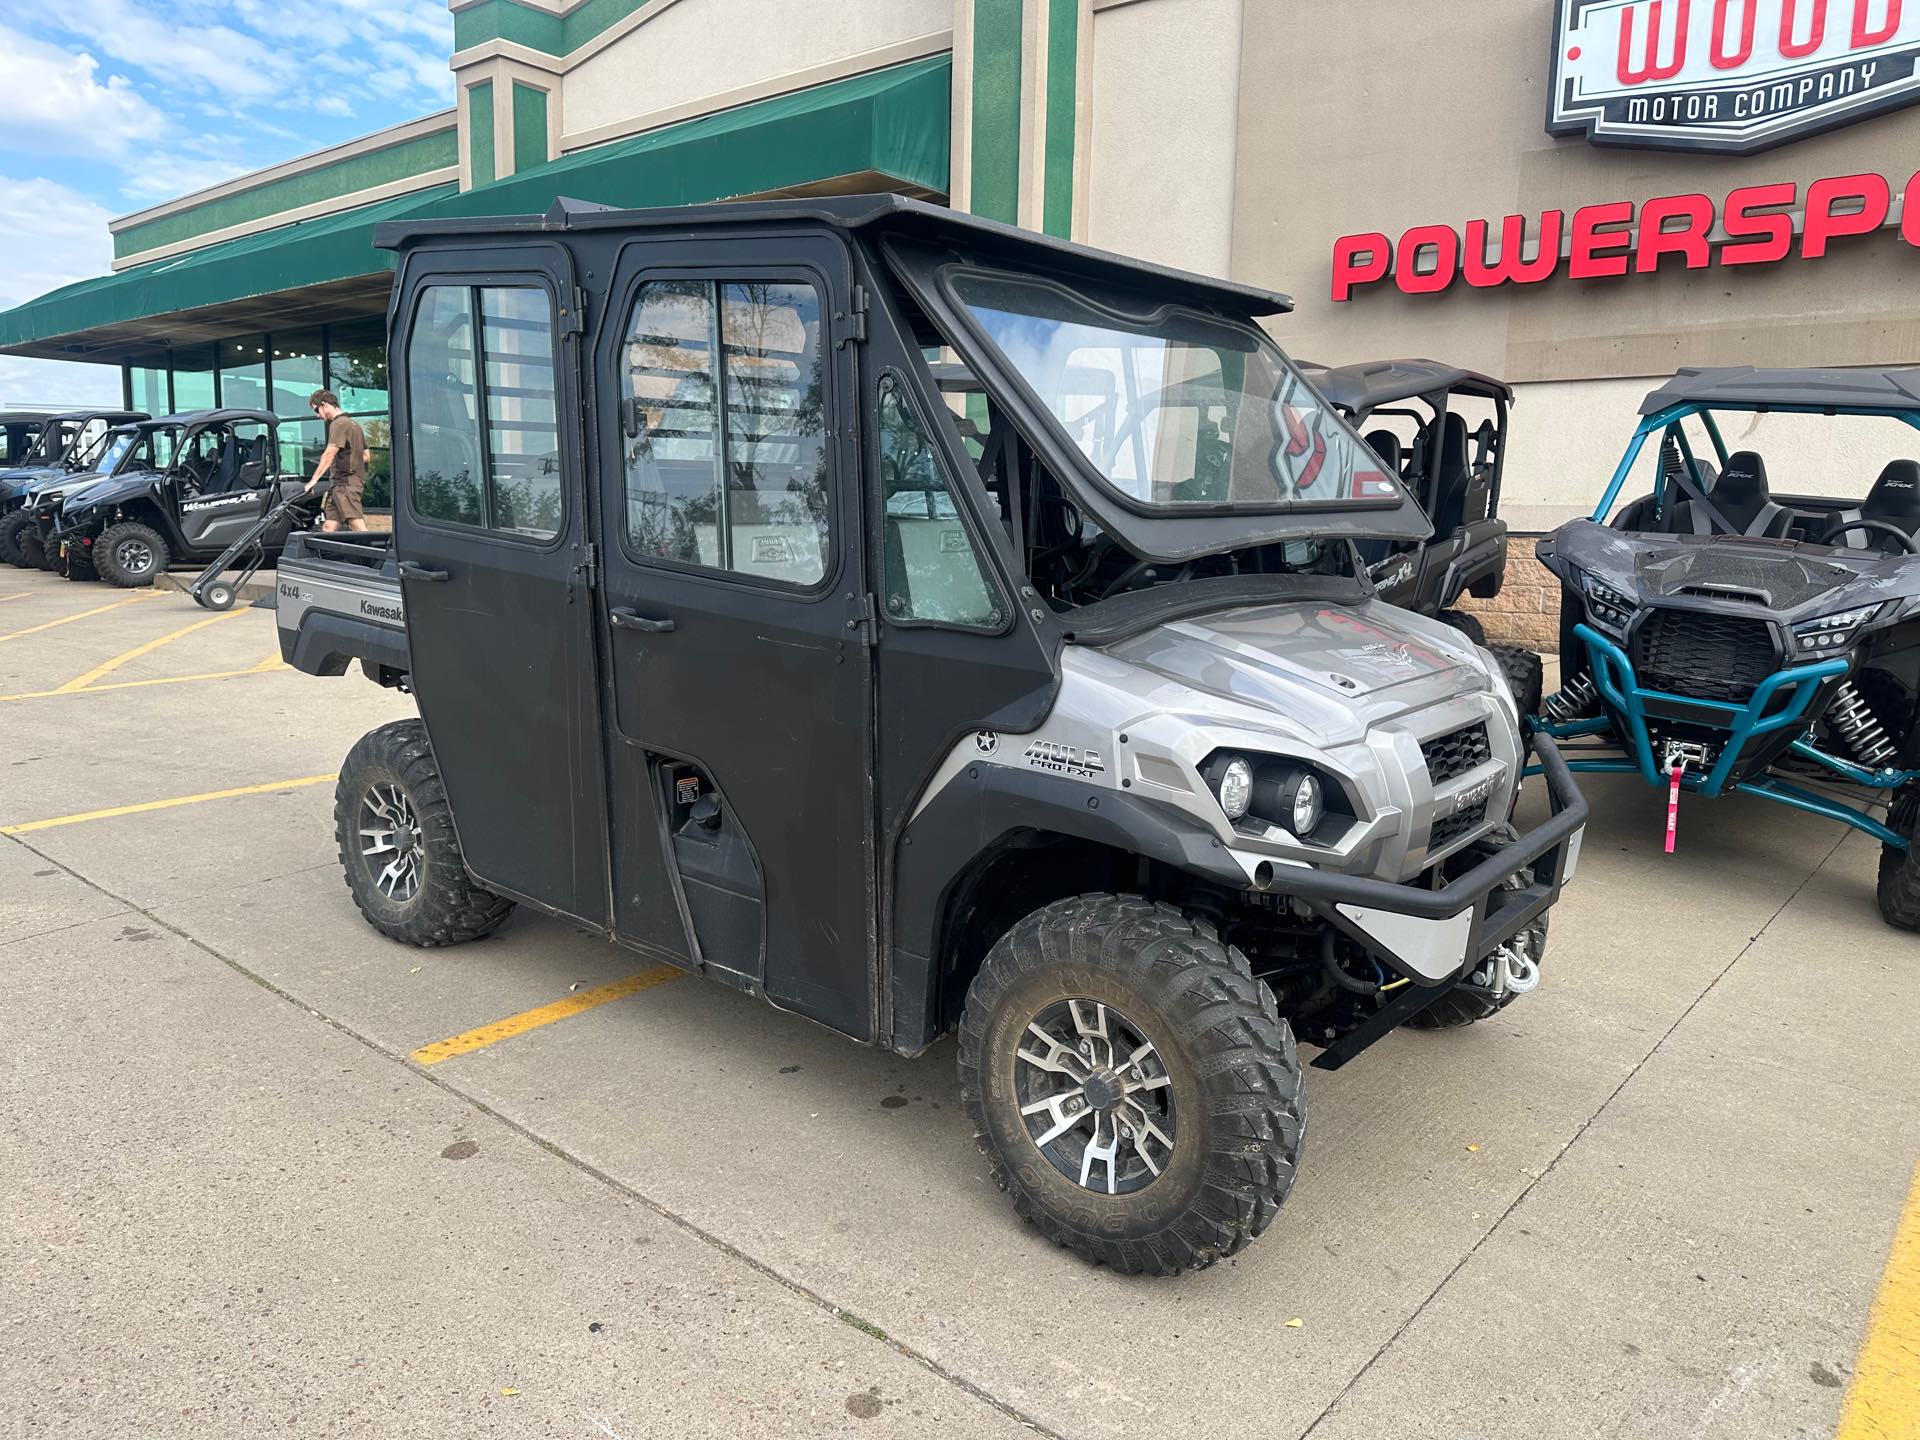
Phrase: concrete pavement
(1653, 1199)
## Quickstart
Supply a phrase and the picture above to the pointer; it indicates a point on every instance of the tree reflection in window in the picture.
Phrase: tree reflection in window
(727, 465)
(933, 571)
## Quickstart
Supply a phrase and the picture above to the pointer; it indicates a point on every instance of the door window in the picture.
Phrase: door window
(725, 441)
(503, 475)
(933, 569)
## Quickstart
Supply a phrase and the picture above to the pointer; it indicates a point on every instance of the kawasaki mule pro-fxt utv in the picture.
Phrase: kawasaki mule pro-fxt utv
(1718, 636)
(1068, 722)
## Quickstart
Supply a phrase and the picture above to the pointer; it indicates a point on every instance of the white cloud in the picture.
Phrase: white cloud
(53, 101)
(68, 241)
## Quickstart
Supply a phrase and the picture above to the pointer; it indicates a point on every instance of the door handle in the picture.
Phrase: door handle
(411, 571)
(629, 620)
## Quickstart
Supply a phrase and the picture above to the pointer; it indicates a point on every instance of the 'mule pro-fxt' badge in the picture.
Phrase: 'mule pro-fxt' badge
(1734, 76)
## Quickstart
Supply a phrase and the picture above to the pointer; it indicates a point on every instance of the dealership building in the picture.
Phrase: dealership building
(1578, 196)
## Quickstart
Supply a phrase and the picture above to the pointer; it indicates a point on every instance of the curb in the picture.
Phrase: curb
(254, 589)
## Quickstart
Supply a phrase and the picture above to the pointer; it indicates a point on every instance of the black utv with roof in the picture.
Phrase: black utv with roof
(1038, 697)
(18, 431)
(185, 487)
(67, 446)
(1443, 431)
(1719, 636)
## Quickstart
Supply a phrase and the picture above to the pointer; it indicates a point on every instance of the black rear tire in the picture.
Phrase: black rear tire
(416, 890)
(11, 528)
(33, 551)
(1467, 1002)
(130, 555)
(1222, 1064)
(1467, 625)
(1899, 889)
(1526, 676)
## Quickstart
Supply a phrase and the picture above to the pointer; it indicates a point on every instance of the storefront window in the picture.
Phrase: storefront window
(243, 373)
(148, 390)
(193, 378)
(357, 365)
(299, 369)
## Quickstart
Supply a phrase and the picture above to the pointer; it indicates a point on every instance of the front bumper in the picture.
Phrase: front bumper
(1435, 938)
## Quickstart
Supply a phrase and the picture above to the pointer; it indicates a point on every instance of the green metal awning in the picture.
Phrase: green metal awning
(886, 130)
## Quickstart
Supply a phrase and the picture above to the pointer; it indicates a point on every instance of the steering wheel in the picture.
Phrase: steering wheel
(1883, 526)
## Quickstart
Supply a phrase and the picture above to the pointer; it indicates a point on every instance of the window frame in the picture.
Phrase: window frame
(983, 550)
(473, 283)
(716, 277)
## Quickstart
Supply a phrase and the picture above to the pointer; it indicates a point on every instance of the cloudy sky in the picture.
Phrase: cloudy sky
(108, 106)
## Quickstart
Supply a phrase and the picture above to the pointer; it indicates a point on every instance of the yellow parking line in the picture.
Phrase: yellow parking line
(14, 595)
(1883, 1402)
(64, 694)
(83, 615)
(108, 667)
(527, 1020)
(119, 810)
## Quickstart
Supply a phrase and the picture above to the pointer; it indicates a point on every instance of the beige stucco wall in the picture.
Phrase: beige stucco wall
(1378, 116)
(1166, 106)
(691, 50)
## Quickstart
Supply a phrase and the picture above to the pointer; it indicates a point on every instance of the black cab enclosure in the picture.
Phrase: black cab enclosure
(930, 626)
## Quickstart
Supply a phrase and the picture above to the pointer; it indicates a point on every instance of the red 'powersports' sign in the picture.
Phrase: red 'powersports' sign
(1754, 225)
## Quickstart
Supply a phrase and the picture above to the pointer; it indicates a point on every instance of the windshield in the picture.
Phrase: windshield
(92, 456)
(1176, 409)
(117, 446)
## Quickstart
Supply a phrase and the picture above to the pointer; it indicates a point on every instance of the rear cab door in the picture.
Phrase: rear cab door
(489, 517)
(738, 702)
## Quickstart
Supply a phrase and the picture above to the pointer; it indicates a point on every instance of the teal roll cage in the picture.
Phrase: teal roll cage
(1626, 698)
(1672, 416)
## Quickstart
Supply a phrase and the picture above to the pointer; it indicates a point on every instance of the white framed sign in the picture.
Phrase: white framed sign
(1734, 76)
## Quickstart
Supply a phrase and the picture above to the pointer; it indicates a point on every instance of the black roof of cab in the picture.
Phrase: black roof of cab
(896, 214)
(118, 417)
(24, 417)
(1745, 388)
(198, 418)
(1381, 382)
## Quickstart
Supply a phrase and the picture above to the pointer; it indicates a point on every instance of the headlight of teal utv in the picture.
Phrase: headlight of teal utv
(1608, 608)
(1830, 632)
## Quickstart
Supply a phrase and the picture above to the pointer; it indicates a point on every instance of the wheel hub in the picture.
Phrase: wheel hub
(1096, 1097)
(390, 841)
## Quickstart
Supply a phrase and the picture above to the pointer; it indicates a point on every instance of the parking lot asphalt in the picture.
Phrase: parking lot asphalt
(264, 1170)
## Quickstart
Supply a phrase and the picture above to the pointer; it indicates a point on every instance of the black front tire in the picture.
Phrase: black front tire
(391, 770)
(1899, 889)
(1525, 673)
(1223, 1064)
(1467, 1002)
(33, 551)
(11, 529)
(1467, 625)
(130, 555)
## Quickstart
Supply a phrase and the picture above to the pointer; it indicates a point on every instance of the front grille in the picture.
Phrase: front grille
(1446, 831)
(1451, 756)
(1709, 657)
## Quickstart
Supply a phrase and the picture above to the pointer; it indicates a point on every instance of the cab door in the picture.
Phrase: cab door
(739, 711)
(490, 526)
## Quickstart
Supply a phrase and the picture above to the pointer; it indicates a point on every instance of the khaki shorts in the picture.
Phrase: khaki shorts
(344, 503)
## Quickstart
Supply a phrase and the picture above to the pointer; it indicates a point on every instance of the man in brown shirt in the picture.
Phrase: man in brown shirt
(346, 460)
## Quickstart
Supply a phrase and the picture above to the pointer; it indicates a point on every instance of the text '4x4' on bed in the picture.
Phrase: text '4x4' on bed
(1036, 695)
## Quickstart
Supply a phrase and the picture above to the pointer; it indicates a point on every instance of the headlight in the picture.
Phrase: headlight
(1308, 804)
(1607, 607)
(1272, 790)
(1234, 787)
(1831, 632)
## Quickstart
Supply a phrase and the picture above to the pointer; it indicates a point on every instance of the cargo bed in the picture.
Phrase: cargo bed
(338, 600)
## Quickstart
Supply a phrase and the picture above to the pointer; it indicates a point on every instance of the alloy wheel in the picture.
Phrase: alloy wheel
(390, 841)
(1096, 1097)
